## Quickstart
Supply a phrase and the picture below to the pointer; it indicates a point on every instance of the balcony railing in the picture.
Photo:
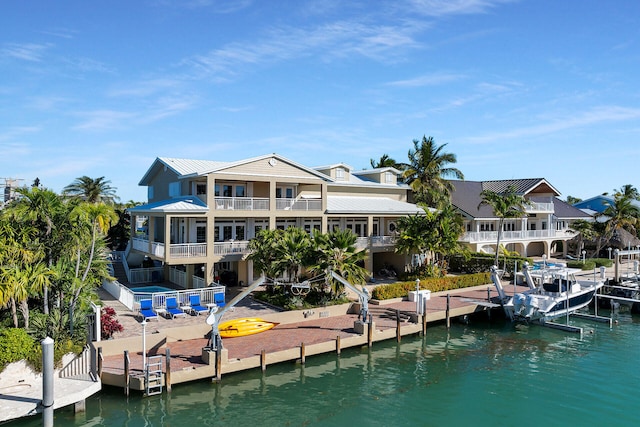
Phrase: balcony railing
(242, 203)
(492, 236)
(230, 248)
(298, 204)
(375, 241)
(539, 207)
(188, 250)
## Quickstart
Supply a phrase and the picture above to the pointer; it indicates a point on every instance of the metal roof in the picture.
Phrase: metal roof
(185, 204)
(374, 205)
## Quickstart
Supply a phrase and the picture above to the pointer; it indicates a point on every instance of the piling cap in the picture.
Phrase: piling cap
(47, 340)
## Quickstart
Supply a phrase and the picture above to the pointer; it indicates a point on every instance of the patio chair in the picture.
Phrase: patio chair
(171, 305)
(146, 309)
(218, 298)
(196, 307)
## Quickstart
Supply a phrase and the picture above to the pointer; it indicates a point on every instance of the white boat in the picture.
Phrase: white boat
(552, 293)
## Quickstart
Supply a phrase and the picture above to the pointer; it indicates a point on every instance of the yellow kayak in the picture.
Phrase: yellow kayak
(244, 326)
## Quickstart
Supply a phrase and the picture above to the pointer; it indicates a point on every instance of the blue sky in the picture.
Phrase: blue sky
(516, 89)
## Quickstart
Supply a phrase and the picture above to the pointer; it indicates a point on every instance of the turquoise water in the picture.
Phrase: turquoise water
(151, 289)
(478, 374)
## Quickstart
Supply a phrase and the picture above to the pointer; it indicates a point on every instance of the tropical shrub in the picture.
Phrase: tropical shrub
(434, 284)
(109, 323)
(589, 264)
(15, 344)
(482, 262)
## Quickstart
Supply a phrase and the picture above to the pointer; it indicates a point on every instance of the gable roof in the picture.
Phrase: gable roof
(187, 168)
(466, 197)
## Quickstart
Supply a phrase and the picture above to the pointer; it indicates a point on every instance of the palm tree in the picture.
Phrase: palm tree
(509, 204)
(293, 251)
(427, 171)
(622, 213)
(337, 251)
(91, 190)
(263, 252)
(585, 231)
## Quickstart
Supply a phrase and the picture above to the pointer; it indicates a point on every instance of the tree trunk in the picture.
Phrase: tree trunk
(24, 309)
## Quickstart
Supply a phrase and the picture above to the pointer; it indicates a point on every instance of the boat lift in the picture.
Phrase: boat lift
(504, 299)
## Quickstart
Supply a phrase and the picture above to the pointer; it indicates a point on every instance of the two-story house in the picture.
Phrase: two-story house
(545, 229)
(201, 214)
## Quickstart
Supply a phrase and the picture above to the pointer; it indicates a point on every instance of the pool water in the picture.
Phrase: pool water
(151, 289)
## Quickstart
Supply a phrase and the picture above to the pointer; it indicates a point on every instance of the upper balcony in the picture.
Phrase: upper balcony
(262, 204)
(511, 236)
(539, 208)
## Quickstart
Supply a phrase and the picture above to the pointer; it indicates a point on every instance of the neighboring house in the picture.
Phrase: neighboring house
(596, 204)
(201, 214)
(544, 229)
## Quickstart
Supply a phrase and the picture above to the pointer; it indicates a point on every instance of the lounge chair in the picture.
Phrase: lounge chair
(146, 309)
(218, 298)
(171, 306)
(196, 307)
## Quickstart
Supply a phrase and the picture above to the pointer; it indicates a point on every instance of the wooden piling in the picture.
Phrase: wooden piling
(302, 353)
(338, 345)
(447, 315)
(263, 360)
(167, 377)
(219, 361)
(398, 335)
(99, 362)
(127, 370)
(370, 331)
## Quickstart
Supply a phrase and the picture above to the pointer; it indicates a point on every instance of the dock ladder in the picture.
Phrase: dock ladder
(153, 376)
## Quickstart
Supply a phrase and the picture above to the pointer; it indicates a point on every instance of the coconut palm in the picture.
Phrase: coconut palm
(508, 204)
(293, 251)
(91, 190)
(621, 213)
(427, 171)
(263, 252)
(585, 231)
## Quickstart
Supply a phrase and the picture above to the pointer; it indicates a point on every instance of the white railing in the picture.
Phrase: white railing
(146, 275)
(228, 248)
(198, 282)
(178, 277)
(539, 207)
(492, 236)
(375, 241)
(242, 203)
(187, 250)
(141, 244)
(298, 204)
(207, 296)
(120, 292)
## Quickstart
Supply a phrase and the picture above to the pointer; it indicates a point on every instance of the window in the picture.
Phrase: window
(340, 173)
(227, 190)
(388, 177)
(150, 192)
(240, 191)
(285, 192)
(201, 234)
(239, 232)
(174, 189)
(216, 190)
(201, 189)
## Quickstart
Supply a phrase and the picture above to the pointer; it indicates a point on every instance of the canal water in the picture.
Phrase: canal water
(481, 373)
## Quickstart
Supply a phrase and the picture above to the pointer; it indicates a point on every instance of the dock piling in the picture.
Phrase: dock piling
(338, 345)
(370, 331)
(447, 315)
(167, 378)
(398, 334)
(263, 360)
(302, 353)
(127, 373)
(424, 317)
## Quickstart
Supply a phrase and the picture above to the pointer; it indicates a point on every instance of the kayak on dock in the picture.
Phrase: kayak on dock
(244, 326)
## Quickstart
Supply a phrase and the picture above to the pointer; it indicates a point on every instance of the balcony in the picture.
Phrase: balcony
(179, 250)
(231, 248)
(492, 236)
(539, 208)
(375, 241)
(241, 203)
(298, 204)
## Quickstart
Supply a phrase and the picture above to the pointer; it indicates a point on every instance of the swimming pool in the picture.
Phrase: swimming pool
(151, 289)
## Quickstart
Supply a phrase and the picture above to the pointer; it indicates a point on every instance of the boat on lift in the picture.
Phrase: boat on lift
(553, 292)
(244, 326)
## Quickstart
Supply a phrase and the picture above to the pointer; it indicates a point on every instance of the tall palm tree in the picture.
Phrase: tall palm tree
(263, 252)
(92, 190)
(427, 171)
(509, 204)
(293, 251)
(621, 213)
(585, 231)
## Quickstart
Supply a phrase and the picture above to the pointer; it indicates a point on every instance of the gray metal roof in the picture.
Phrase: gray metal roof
(373, 205)
(185, 204)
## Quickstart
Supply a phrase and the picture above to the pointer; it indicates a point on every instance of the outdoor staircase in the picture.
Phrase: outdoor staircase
(119, 273)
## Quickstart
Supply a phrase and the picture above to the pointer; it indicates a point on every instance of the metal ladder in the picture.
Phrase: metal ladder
(153, 376)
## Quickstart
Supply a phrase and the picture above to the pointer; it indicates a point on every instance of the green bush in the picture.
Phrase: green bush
(434, 284)
(602, 262)
(589, 264)
(15, 344)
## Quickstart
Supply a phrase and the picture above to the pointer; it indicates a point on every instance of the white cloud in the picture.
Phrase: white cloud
(26, 51)
(433, 79)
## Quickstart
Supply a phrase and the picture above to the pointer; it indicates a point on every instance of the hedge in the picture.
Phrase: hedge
(15, 344)
(481, 262)
(434, 284)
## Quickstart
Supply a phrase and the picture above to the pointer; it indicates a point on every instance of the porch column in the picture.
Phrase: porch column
(368, 262)
(189, 274)
(151, 220)
(167, 238)
(272, 204)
